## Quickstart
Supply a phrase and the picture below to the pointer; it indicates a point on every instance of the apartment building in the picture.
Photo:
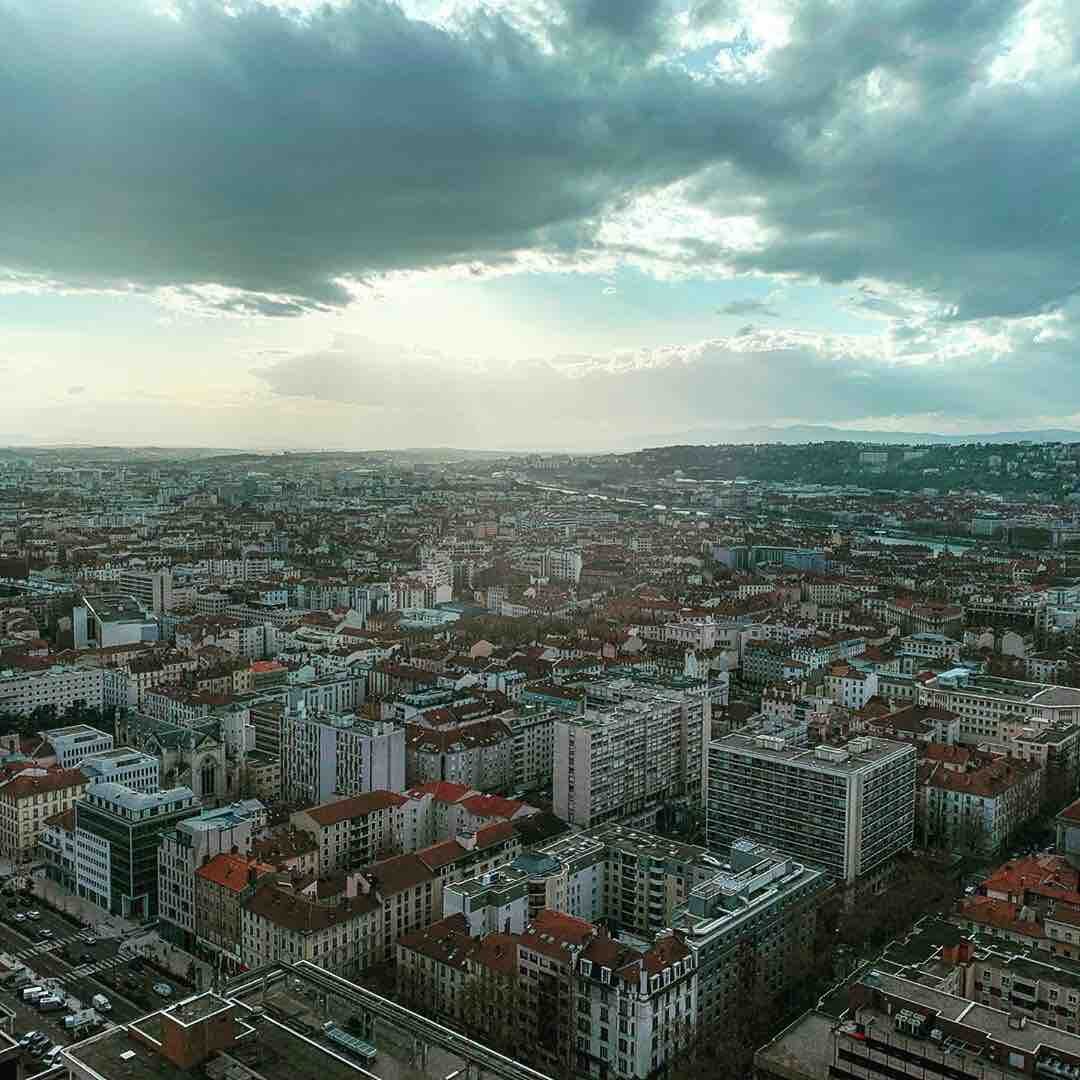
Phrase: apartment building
(639, 749)
(186, 847)
(354, 831)
(821, 650)
(495, 902)
(328, 754)
(848, 686)
(846, 809)
(532, 745)
(221, 886)
(479, 754)
(977, 805)
(768, 662)
(927, 646)
(573, 996)
(117, 836)
(58, 687)
(749, 924)
(28, 800)
(278, 924)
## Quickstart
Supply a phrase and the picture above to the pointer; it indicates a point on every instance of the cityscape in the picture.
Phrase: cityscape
(542, 765)
(539, 540)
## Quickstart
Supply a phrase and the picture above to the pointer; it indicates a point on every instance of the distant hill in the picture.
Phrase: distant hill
(812, 433)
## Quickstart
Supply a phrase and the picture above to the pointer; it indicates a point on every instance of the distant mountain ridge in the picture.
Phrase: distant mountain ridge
(814, 433)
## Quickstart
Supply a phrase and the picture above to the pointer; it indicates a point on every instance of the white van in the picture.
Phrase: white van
(32, 993)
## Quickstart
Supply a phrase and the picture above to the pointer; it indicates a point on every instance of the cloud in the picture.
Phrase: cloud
(262, 151)
(252, 160)
(749, 307)
(1009, 379)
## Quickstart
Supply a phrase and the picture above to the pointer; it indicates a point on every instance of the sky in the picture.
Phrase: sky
(535, 224)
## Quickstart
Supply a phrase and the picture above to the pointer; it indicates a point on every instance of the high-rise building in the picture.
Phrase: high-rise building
(846, 809)
(330, 754)
(640, 749)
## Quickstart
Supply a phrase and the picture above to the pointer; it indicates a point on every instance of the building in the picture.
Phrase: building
(189, 845)
(123, 765)
(479, 754)
(58, 687)
(117, 835)
(208, 1035)
(152, 588)
(27, 800)
(627, 757)
(532, 752)
(73, 744)
(279, 924)
(886, 1026)
(222, 885)
(330, 754)
(751, 924)
(560, 990)
(977, 803)
(113, 619)
(846, 809)
(354, 831)
(992, 709)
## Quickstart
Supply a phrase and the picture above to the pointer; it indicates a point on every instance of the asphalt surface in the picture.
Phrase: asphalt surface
(78, 963)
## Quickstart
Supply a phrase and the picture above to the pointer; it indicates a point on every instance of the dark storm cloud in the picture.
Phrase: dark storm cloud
(272, 154)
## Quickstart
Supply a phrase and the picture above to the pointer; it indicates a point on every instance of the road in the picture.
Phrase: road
(76, 961)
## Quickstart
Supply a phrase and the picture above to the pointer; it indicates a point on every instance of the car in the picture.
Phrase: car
(39, 1037)
(163, 989)
(86, 958)
(27, 1038)
(45, 932)
(33, 914)
(38, 1051)
(20, 916)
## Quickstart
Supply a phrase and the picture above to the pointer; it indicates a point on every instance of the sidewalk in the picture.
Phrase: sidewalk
(106, 926)
(171, 957)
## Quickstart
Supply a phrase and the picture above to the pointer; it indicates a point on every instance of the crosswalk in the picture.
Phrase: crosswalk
(79, 971)
(53, 945)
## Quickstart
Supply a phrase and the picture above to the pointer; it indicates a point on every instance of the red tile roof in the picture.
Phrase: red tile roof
(233, 872)
(355, 806)
(442, 791)
(493, 806)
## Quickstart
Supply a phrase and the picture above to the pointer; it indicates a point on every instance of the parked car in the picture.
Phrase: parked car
(33, 914)
(28, 1037)
(19, 916)
(163, 989)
